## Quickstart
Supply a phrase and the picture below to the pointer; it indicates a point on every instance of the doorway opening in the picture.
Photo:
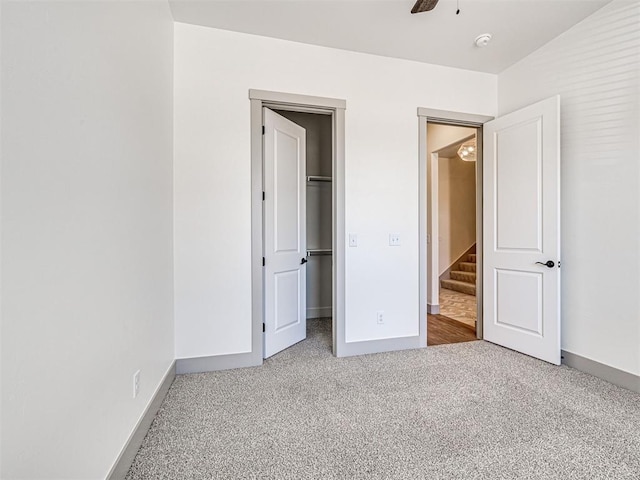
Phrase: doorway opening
(452, 233)
(429, 156)
(517, 224)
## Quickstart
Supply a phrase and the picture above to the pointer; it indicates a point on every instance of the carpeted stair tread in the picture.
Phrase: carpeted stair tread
(468, 266)
(469, 277)
(463, 278)
(458, 286)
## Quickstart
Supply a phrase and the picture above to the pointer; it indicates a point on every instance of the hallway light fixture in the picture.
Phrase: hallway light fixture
(467, 151)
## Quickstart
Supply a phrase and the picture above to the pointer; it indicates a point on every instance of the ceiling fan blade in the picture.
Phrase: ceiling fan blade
(424, 6)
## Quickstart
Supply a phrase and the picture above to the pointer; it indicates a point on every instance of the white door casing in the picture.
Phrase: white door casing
(284, 233)
(521, 215)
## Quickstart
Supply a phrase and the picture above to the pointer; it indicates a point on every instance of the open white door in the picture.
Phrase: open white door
(521, 218)
(284, 233)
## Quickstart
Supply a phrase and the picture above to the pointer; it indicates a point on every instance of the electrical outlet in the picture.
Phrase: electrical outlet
(380, 317)
(136, 384)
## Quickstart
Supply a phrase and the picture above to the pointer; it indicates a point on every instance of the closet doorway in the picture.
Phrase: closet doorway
(298, 228)
(297, 152)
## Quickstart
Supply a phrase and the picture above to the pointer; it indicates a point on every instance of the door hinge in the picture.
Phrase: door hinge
(263, 196)
(263, 261)
(263, 129)
(263, 327)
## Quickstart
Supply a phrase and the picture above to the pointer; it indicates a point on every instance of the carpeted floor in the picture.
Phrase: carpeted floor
(463, 411)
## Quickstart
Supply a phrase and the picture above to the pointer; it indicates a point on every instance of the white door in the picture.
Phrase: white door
(521, 225)
(284, 233)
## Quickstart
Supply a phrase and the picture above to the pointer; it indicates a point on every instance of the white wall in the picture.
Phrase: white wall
(438, 137)
(595, 67)
(214, 70)
(86, 229)
(456, 208)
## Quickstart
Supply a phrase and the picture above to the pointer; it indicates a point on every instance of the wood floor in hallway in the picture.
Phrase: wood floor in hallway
(442, 330)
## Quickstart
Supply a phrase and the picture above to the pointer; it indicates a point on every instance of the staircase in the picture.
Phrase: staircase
(463, 279)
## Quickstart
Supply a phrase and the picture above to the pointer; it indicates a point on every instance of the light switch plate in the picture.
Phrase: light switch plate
(394, 239)
(353, 240)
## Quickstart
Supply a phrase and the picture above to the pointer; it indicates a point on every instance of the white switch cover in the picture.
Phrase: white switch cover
(394, 239)
(353, 240)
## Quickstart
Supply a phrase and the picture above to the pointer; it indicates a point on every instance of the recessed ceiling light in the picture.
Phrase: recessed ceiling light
(483, 40)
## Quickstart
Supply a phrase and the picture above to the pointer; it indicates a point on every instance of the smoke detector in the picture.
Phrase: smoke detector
(483, 40)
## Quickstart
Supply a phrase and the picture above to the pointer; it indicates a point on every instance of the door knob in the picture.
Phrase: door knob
(548, 263)
(303, 261)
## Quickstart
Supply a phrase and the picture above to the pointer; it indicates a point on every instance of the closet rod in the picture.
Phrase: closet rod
(318, 178)
(318, 251)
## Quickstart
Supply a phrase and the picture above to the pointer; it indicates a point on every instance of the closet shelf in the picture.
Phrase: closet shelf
(318, 178)
(318, 251)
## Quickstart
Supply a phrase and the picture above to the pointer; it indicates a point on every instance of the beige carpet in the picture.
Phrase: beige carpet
(464, 411)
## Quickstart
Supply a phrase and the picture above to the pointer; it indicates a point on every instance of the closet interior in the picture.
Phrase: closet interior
(319, 210)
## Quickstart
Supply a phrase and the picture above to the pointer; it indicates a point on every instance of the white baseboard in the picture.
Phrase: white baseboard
(318, 312)
(433, 309)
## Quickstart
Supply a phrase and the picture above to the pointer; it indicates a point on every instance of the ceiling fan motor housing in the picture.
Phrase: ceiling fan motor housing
(424, 6)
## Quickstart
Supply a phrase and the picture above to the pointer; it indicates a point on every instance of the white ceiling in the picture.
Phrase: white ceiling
(386, 27)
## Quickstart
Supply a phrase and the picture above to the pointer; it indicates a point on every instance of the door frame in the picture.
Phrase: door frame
(305, 104)
(458, 119)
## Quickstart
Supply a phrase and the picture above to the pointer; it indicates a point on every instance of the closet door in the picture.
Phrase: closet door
(284, 233)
